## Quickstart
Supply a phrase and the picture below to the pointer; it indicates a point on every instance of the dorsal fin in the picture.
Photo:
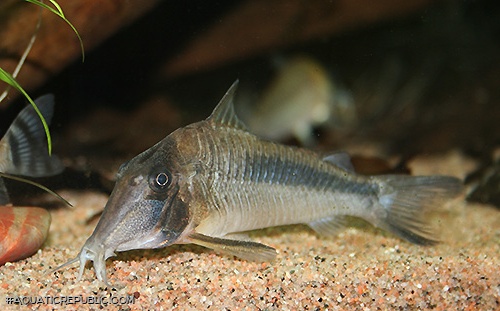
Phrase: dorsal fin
(342, 160)
(224, 113)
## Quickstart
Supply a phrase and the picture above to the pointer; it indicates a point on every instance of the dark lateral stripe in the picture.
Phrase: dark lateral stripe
(295, 174)
(270, 163)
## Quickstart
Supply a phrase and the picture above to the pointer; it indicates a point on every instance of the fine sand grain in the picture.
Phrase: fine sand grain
(360, 269)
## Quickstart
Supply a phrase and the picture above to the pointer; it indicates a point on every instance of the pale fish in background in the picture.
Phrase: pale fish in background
(23, 151)
(207, 182)
(302, 96)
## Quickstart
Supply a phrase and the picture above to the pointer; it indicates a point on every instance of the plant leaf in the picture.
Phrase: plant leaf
(4, 175)
(59, 12)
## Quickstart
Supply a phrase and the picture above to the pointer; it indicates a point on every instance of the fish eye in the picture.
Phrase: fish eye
(159, 179)
(162, 179)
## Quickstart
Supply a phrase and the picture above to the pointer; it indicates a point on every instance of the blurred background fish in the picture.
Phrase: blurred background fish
(301, 96)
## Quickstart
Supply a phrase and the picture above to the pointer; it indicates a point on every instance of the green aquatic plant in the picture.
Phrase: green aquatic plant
(59, 12)
(27, 181)
(10, 79)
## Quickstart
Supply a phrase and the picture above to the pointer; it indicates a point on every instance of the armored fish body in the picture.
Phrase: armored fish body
(208, 181)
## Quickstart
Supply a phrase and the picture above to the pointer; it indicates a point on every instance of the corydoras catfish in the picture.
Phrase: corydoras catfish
(23, 149)
(302, 96)
(210, 180)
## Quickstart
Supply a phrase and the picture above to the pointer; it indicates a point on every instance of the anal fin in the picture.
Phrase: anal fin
(329, 226)
(247, 250)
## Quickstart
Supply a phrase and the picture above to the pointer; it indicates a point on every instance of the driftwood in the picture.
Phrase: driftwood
(252, 27)
(259, 26)
(56, 44)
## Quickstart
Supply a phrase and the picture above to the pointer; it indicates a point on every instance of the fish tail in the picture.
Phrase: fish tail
(406, 201)
(24, 146)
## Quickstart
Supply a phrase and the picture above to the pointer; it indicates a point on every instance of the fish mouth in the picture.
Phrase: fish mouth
(98, 255)
(98, 258)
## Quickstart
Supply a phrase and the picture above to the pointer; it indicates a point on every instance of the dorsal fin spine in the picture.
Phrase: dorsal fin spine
(224, 113)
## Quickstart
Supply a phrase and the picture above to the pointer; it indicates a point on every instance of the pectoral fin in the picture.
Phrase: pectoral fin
(243, 249)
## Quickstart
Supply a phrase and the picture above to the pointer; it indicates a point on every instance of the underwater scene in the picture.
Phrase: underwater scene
(250, 155)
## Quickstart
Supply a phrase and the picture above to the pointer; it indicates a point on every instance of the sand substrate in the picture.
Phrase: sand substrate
(360, 269)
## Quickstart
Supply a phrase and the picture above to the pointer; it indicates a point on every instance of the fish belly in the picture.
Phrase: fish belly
(264, 205)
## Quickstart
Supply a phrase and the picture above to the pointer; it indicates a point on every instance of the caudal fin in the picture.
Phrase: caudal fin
(406, 201)
(25, 148)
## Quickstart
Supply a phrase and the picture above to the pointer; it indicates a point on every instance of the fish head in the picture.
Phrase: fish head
(144, 210)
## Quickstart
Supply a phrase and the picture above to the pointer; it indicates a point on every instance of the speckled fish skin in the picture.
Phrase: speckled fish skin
(209, 180)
